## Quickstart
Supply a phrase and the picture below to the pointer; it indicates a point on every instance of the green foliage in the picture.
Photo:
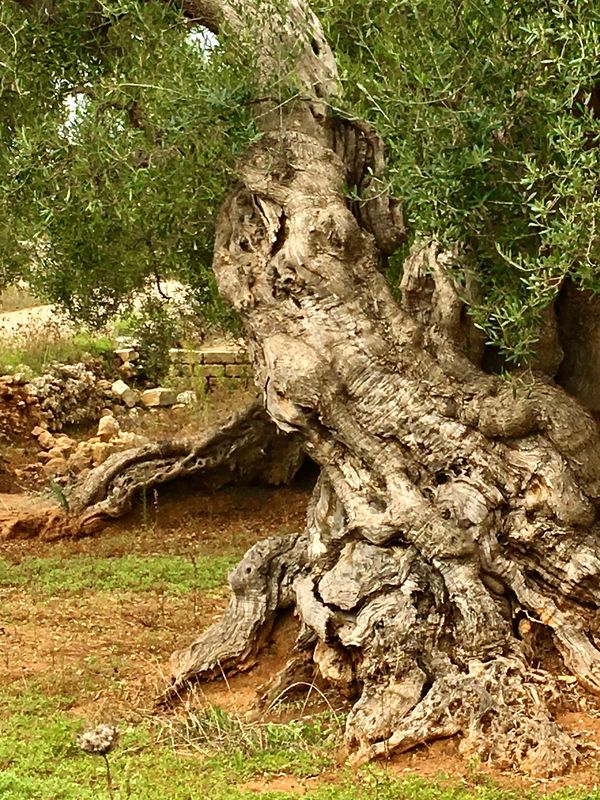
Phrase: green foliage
(119, 133)
(169, 574)
(156, 330)
(158, 325)
(490, 111)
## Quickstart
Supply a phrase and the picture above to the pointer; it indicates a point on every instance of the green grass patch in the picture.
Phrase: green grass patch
(39, 350)
(170, 573)
(39, 760)
(242, 750)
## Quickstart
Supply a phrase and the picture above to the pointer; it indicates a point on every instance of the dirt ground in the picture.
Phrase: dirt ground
(123, 642)
(108, 654)
(18, 324)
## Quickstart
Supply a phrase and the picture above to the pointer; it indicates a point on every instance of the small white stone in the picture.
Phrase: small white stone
(127, 354)
(187, 398)
(46, 440)
(65, 445)
(128, 370)
(124, 393)
(100, 452)
(56, 466)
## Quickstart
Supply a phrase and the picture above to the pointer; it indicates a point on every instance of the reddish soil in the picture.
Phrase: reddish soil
(109, 653)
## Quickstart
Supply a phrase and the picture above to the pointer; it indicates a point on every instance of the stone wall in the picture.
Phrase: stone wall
(67, 394)
(211, 364)
(72, 394)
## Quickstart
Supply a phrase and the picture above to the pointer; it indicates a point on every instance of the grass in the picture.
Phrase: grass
(39, 348)
(40, 761)
(170, 574)
(302, 748)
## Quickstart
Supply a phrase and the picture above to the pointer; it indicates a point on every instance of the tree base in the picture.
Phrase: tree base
(381, 627)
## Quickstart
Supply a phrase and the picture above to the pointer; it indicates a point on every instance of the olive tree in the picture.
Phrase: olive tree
(414, 314)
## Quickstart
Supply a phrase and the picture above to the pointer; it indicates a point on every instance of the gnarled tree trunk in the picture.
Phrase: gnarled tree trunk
(247, 448)
(456, 512)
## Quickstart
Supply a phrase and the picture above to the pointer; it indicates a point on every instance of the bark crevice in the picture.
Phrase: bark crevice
(451, 503)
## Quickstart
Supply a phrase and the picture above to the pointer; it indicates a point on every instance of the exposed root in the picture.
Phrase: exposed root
(261, 586)
(298, 672)
(397, 636)
(500, 708)
(248, 447)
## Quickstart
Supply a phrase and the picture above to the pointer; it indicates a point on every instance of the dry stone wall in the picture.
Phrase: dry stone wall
(203, 368)
(75, 394)
(19, 408)
(210, 364)
(70, 394)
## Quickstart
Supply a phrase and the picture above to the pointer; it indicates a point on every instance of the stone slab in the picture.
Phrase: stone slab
(209, 370)
(238, 371)
(160, 396)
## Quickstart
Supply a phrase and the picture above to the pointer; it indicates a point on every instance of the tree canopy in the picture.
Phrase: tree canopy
(121, 123)
(119, 131)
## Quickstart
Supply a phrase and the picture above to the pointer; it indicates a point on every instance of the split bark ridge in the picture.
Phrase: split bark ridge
(455, 518)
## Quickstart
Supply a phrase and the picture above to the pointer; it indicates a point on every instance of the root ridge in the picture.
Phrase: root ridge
(261, 587)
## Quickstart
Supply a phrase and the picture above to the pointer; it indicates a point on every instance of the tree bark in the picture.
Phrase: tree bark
(456, 512)
(579, 329)
(248, 448)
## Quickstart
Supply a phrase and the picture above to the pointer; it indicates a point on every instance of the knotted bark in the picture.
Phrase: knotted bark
(455, 517)
(450, 505)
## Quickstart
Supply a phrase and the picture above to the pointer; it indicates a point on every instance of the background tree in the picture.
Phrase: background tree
(111, 168)
(453, 530)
